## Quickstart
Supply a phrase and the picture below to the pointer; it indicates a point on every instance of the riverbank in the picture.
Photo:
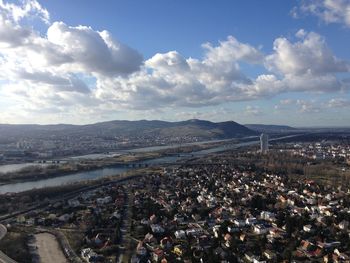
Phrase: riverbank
(23, 202)
(167, 156)
(40, 172)
(35, 173)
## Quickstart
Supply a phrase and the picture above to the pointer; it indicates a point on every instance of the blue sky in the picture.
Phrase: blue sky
(273, 62)
(163, 25)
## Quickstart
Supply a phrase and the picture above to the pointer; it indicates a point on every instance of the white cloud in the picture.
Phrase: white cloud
(170, 80)
(93, 51)
(308, 106)
(310, 55)
(231, 50)
(253, 110)
(329, 11)
(75, 69)
(338, 103)
(306, 65)
(28, 8)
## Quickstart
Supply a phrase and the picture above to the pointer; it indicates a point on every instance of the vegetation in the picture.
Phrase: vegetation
(15, 246)
(33, 173)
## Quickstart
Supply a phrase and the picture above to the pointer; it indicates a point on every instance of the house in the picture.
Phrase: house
(179, 218)
(269, 254)
(260, 229)
(239, 223)
(343, 225)
(157, 229)
(228, 240)
(180, 234)
(269, 216)
(251, 221)
(166, 243)
(149, 238)
(157, 255)
(307, 228)
(178, 250)
(232, 229)
(194, 232)
(73, 203)
(153, 219)
(90, 256)
(252, 258)
(216, 230)
(104, 200)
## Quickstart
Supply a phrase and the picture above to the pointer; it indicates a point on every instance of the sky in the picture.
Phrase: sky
(250, 61)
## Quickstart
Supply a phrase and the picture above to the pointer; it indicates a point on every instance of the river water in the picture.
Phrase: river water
(79, 176)
(108, 171)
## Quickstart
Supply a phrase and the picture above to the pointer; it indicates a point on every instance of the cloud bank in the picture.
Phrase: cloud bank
(77, 70)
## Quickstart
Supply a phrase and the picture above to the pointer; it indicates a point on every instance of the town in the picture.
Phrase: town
(167, 131)
(211, 209)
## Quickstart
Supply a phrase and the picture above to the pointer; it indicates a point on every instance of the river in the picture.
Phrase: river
(80, 176)
(16, 167)
(108, 171)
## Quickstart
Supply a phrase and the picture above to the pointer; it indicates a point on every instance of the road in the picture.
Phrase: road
(125, 239)
(70, 253)
(3, 257)
(43, 205)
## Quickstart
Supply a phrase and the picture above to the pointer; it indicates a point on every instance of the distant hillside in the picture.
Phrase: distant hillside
(143, 128)
(270, 128)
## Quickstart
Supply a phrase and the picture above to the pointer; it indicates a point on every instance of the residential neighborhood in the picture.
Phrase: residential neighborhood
(205, 213)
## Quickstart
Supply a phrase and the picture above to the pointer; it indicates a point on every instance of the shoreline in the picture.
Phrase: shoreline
(101, 164)
(88, 165)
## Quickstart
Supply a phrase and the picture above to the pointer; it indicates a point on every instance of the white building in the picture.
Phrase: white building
(264, 143)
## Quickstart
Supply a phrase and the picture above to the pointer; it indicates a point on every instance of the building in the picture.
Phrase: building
(264, 143)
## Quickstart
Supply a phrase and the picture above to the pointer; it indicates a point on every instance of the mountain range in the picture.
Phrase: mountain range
(121, 128)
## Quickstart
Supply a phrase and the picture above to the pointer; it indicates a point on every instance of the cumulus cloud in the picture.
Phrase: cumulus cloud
(11, 33)
(310, 55)
(27, 8)
(169, 79)
(329, 11)
(93, 51)
(41, 72)
(306, 65)
(231, 50)
(78, 69)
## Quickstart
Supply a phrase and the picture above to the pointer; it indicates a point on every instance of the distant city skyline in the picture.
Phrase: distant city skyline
(269, 62)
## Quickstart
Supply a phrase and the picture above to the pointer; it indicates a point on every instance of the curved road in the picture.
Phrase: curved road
(3, 257)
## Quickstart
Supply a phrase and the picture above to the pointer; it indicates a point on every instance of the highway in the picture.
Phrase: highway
(3, 257)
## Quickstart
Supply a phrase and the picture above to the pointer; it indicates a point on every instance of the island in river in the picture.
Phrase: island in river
(75, 165)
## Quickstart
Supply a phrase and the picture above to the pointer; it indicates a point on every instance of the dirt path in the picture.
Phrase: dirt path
(125, 251)
(49, 249)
